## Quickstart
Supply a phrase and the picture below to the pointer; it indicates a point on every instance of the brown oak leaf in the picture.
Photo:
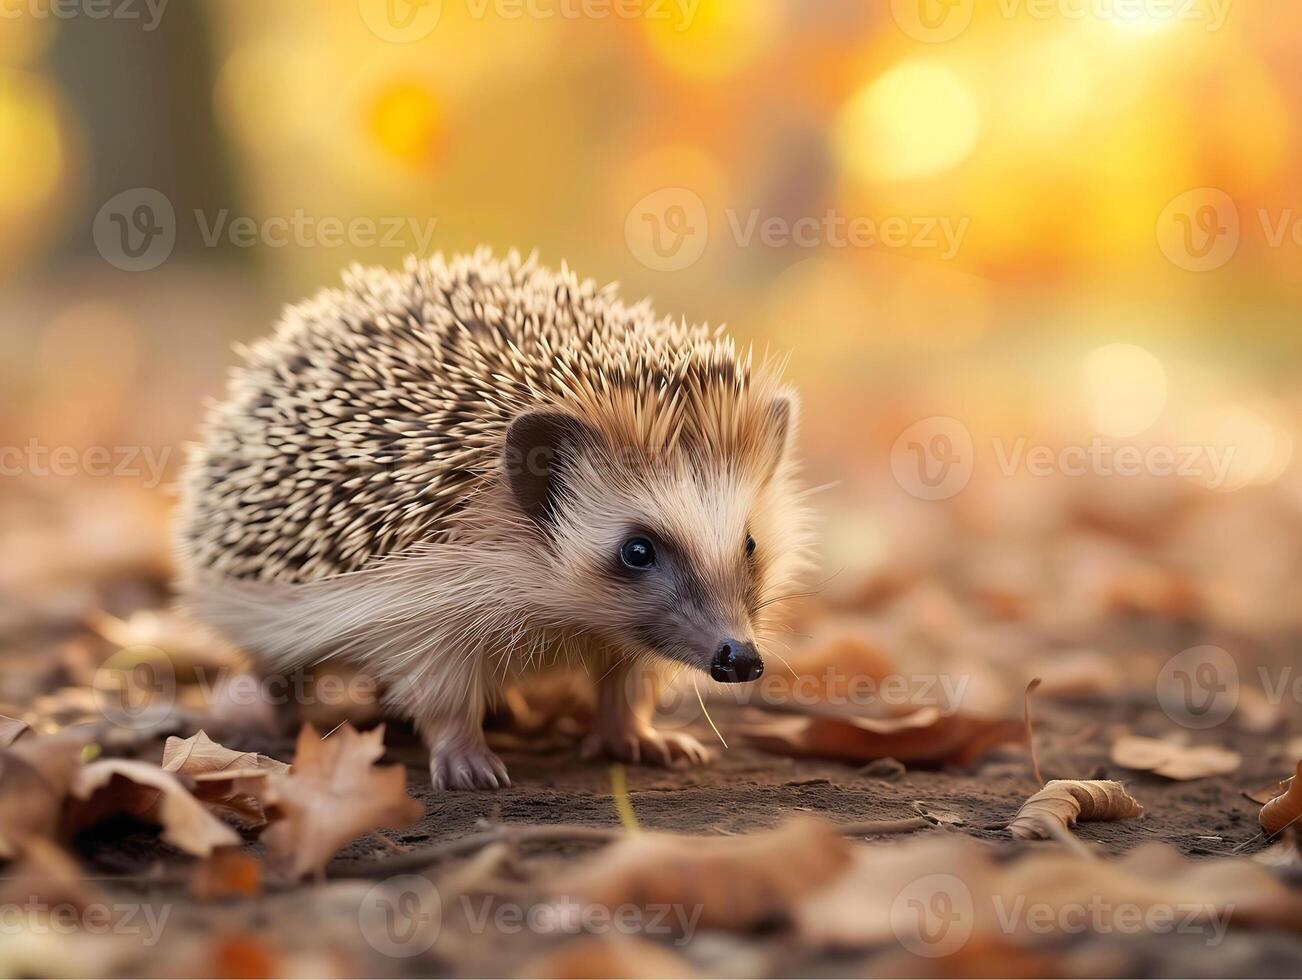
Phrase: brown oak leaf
(334, 794)
(233, 783)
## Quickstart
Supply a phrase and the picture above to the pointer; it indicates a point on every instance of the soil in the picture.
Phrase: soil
(743, 791)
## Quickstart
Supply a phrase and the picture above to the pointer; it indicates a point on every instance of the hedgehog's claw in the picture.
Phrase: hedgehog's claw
(645, 745)
(467, 768)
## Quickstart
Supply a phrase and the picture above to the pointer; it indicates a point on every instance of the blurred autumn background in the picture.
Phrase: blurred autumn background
(1051, 225)
(1036, 265)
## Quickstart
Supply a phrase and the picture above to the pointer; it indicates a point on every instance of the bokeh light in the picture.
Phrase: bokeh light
(1125, 386)
(918, 120)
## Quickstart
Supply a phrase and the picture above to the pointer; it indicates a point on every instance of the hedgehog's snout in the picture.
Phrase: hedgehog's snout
(736, 662)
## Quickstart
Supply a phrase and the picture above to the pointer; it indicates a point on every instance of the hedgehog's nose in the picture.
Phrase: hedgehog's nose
(735, 662)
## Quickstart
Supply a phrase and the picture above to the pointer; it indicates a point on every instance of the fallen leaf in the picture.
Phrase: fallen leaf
(1285, 809)
(1064, 801)
(47, 874)
(11, 730)
(199, 754)
(926, 737)
(1171, 760)
(1079, 674)
(1264, 794)
(227, 873)
(925, 892)
(231, 782)
(832, 668)
(610, 955)
(334, 794)
(737, 883)
(35, 775)
(187, 643)
(144, 791)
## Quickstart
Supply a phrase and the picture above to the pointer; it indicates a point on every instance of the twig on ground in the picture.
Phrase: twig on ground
(1030, 728)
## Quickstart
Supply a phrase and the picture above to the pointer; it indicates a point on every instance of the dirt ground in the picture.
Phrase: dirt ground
(476, 885)
(314, 927)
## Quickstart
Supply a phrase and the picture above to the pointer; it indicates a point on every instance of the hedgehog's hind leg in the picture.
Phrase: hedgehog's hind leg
(447, 707)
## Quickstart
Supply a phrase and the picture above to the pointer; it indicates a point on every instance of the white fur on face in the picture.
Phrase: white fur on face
(705, 588)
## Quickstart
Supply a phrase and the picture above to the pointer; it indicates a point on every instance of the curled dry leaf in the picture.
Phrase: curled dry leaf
(334, 794)
(737, 883)
(1064, 801)
(1284, 810)
(230, 782)
(11, 730)
(1173, 761)
(925, 737)
(142, 790)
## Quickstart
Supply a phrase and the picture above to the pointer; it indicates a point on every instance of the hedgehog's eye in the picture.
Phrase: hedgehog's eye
(637, 553)
(750, 546)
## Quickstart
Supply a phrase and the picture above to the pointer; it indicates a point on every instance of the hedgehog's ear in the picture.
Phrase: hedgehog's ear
(777, 425)
(540, 446)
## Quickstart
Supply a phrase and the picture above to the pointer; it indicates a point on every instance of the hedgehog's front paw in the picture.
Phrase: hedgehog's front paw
(466, 767)
(643, 744)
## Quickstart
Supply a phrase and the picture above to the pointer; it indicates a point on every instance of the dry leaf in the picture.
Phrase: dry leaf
(1286, 809)
(187, 643)
(334, 794)
(144, 791)
(199, 754)
(609, 955)
(35, 775)
(926, 737)
(737, 883)
(1064, 801)
(1173, 761)
(227, 873)
(11, 730)
(1264, 794)
(47, 874)
(907, 891)
(831, 668)
(231, 782)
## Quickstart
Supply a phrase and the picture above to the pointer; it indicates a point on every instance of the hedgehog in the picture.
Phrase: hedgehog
(455, 474)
